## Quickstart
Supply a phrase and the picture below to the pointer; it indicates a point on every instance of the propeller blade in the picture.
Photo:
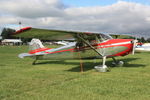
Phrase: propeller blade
(134, 45)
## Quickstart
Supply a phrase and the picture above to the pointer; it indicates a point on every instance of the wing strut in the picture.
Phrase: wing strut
(89, 45)
(100, 68)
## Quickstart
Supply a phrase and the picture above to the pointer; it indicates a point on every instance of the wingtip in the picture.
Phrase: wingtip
(22, 55)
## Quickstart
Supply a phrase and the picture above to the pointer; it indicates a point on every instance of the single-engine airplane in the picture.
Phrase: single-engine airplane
(86, 46)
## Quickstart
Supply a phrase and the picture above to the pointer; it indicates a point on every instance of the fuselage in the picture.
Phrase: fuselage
(108, 48)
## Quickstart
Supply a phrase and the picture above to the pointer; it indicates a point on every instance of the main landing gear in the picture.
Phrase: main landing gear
(117, 63)
(103, 67)
(34, 62)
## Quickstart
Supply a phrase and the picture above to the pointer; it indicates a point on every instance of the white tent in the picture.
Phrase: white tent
(11, 41)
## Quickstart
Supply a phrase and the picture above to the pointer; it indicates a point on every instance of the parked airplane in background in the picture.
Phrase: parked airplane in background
(62, 42)
(143, 47)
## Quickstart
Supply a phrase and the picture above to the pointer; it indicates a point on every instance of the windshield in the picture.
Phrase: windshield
(105, 37)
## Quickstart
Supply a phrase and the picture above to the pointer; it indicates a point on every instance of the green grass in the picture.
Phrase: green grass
(62, 80)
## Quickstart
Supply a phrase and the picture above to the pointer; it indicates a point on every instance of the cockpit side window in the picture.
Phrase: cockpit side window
(92, 39)
(105, 37)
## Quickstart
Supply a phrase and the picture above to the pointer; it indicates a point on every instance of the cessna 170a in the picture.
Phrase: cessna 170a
(86, 46)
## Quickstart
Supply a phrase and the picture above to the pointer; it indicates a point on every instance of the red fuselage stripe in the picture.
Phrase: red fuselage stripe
(97, 46)
(74, 49)
(110, 43)
(38, 50)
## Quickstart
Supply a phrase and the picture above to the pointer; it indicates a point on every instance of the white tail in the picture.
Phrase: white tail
(35, 44)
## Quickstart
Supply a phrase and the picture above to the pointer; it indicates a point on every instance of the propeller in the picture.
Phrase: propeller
(134, 45)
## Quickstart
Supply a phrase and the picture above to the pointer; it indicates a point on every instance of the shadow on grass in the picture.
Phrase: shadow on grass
(126, 63)
(133, 65)
(86, 66)
(90, 65)
(56, 62)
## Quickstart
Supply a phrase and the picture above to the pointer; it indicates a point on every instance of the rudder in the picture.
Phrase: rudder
(35, 44)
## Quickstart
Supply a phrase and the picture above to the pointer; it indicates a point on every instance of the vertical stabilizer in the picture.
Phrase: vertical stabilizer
(35, 44)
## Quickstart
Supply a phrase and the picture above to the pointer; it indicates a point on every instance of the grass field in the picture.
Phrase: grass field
(62, 80)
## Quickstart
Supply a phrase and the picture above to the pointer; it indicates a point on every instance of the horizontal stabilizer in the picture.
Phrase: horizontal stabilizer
(62, 47)
(22, 55)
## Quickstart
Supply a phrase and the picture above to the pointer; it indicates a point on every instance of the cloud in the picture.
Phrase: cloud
(121, 17)
(33, 9)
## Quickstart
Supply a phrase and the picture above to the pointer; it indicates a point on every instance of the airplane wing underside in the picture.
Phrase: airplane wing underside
(82, 39)
(46, 34)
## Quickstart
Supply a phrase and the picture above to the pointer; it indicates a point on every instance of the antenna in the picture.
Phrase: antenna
(20, 24)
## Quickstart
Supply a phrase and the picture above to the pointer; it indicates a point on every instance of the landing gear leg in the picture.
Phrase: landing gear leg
(34, 62)
(103, 67)
(117, 63)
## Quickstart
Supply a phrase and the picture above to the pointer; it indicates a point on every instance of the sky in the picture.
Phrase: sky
(106, 16)
(85, 3)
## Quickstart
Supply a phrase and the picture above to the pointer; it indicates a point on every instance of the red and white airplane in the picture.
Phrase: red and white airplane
(86, 46)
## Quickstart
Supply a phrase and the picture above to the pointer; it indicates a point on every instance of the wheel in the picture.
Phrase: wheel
(102, 68)
(119, 63)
